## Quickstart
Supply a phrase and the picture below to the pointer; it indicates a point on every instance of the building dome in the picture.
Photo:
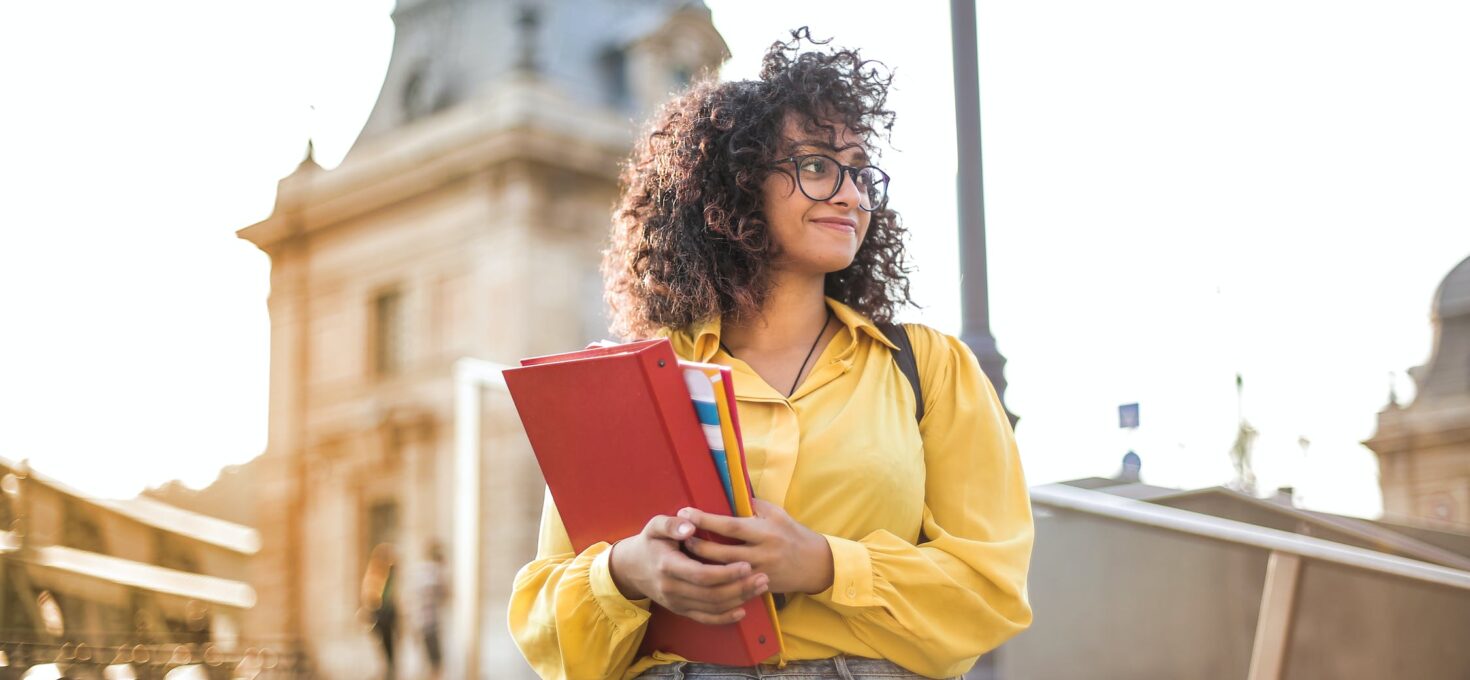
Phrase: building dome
(1447, 374)
(1453, 297)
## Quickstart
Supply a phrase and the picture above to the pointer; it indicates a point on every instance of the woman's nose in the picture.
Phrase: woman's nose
(847, 192)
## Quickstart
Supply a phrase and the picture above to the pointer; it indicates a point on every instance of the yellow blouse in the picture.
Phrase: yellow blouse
(844, 457)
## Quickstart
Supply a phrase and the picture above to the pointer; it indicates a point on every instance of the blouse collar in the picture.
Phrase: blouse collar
(702, 340)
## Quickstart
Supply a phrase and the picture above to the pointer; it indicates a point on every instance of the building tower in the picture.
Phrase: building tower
(1424, 448)
(467, 220)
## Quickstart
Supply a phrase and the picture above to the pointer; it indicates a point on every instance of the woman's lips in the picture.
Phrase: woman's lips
(840, 224)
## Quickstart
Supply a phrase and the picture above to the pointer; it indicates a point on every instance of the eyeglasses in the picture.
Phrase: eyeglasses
(819, 177)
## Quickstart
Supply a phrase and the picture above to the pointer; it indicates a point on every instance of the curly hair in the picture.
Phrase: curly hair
(689, 239)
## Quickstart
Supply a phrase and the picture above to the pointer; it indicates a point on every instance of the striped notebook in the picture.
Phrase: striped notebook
(713, 393)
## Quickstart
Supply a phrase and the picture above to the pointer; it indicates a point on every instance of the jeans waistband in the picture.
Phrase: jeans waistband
(839, 668)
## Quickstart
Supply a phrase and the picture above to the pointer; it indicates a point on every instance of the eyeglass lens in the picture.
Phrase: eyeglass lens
(820, 178)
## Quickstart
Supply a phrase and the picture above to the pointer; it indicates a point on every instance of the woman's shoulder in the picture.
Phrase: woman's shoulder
(931, 343)
(940, 354)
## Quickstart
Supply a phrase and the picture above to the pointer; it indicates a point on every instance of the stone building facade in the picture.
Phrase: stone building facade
(467, 221)
(1424, 448)
(87, 582)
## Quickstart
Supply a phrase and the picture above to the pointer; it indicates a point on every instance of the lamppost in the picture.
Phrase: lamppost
(970, 185)
(974, 288)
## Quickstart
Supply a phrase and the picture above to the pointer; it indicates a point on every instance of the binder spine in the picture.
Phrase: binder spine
(665, 382)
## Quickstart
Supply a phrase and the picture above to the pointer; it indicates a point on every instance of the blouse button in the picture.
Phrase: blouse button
(851, 591)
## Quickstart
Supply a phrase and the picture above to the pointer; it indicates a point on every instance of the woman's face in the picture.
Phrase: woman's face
(815, 237)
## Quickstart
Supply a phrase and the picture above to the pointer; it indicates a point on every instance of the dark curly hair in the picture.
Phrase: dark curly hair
(689, 240)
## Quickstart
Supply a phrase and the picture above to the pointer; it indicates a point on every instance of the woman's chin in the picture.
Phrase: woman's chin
(836, 264)
(817, 263)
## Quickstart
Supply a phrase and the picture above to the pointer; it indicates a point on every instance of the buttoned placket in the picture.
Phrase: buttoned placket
(772, 477)
(782, 456)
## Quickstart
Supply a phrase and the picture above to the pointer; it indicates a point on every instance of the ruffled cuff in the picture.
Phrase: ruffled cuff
(852, 575)
(620, 610)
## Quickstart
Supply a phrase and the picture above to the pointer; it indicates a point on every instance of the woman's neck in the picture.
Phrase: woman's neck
(793, 313)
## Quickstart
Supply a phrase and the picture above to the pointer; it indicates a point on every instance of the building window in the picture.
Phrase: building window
(79, 529)
(615, 78)
(382, 525)
(388, 334)
(170, 551)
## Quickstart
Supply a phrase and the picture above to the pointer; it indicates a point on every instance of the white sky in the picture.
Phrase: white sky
(1175, 192)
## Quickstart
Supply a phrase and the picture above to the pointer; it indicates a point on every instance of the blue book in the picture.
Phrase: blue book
(702, 393)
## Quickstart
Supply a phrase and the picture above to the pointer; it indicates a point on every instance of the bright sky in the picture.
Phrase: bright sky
(1175, 192)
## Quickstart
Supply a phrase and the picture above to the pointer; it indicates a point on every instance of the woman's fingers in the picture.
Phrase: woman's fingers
(669, 528)
(738, 528)
(715, 600)
(717, 619)
(679, 566)
(717, 552)
(763, 508)
(684, 584)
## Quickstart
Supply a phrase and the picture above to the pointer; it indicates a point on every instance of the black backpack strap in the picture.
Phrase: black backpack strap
(907, 363)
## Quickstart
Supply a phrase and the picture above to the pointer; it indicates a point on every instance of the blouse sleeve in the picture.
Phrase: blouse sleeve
(566, 614)
(936, 607)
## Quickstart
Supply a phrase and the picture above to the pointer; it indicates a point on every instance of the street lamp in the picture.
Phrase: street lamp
(974, 288)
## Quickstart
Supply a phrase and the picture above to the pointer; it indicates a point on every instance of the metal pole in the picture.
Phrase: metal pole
(974, 286)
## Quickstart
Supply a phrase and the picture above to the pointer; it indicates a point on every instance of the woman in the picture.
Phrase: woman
(754, 232)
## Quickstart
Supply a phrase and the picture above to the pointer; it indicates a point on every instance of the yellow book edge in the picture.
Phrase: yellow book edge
(735, 458)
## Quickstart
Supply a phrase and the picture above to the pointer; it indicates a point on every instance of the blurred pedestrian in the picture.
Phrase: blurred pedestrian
(430, 592)
(378, 601)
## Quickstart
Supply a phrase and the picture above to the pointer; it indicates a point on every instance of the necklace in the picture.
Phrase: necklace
(799, 371)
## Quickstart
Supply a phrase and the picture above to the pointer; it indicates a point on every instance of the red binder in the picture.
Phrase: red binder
(618, 442)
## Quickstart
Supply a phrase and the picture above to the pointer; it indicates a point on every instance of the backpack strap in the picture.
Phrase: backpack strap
(907, 363)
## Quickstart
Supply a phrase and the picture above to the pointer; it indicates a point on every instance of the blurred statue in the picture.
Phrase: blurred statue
(378, 604)
(1240, 452)
(1132, 466)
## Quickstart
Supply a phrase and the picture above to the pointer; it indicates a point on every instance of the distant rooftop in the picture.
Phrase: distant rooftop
(217, 532)
(448, 52)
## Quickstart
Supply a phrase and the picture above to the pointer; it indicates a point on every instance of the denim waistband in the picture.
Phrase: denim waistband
(835, 668)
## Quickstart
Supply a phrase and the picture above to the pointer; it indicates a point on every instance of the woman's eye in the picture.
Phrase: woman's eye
(815, 166)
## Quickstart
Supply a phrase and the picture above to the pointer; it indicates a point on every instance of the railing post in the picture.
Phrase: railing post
(463, 658)
(1273, 623)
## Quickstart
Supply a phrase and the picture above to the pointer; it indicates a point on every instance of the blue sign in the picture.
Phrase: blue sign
(1128, 416)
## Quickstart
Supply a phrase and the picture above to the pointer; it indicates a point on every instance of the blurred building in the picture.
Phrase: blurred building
(467, 221)
(89, 582)
(230, 497)
(1424, 448)
(1136, 581)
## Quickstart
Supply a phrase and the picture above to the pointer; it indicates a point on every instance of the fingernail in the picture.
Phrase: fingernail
(739, 614)
(684, 529)
(684, 513)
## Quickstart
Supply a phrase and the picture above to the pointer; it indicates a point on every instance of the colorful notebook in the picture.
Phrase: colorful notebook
(703, 394)
(736, 473)
(619, 440)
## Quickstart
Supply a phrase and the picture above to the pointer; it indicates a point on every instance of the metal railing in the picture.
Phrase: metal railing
(150, 661)
(1275, 540)
(1288, 553)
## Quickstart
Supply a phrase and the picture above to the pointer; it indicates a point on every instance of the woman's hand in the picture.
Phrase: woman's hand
(651, 565)
(797, 559)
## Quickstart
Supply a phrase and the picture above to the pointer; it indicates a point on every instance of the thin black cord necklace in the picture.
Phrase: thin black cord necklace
(815, 340)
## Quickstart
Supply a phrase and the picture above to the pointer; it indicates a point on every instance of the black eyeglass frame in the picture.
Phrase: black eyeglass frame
(844, 171)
